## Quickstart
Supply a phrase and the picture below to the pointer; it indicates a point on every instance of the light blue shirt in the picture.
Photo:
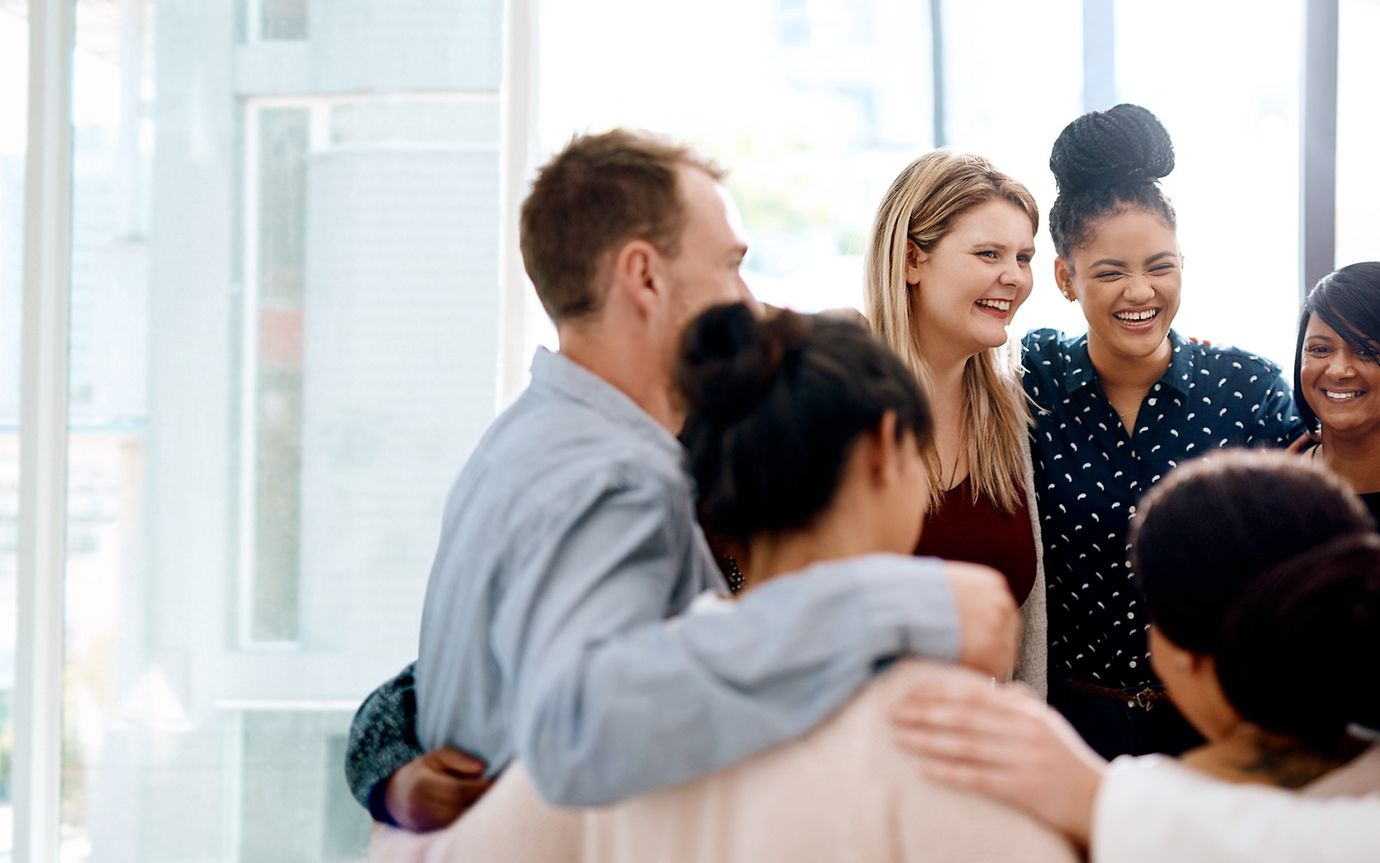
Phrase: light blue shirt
(568, 540)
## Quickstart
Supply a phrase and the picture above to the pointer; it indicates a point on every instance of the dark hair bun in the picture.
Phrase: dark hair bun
(730, 359)
(1300, 651)
(774, 405)
(1101, 149)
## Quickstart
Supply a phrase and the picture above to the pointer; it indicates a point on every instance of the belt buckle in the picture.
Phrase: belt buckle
(1145, 699)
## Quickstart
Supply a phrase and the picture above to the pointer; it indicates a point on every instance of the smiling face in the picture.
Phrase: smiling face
(970, 283)
(1339, 382)
(1127, 279)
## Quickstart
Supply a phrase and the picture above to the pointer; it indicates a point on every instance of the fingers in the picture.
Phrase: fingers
(1303, 442)
(989, 622)
(454, 761)
(433, 790)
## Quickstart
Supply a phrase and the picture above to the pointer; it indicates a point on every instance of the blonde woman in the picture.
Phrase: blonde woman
(948, 266)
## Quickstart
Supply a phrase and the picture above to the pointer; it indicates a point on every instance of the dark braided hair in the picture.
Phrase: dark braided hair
(1105, 162)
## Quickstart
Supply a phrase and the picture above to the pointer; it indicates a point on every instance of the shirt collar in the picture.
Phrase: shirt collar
(570, 380)
(1079, 371)
(1183, 364)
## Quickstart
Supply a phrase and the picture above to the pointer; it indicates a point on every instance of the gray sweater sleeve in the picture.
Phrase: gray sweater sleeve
(383, 737)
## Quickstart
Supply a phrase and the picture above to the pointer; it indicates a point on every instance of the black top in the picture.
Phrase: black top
(1372, 501)
(980, 533)
(1090, 473)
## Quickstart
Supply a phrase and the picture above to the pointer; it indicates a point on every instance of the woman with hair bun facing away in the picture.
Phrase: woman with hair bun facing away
(1337, 376)
(1261, 574)
(806, 439)
(1116, 409)
(808, 442)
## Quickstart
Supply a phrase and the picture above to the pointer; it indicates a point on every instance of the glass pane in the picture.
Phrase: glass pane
(284, 343)
(14, 78)
(791, 98)
(1010, 106)
(1358, 127)
(1236, 183)
(283, 20)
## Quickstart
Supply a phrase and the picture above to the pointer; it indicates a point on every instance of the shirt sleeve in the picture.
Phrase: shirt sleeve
(1276, 418)
(614, 701)
(383, 737)
(1150, 810)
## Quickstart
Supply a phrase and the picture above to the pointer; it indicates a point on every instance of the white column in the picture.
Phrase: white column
(43, 432)
(518, 112)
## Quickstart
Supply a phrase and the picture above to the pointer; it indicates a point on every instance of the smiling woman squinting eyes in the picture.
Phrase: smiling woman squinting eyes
(1117, 409)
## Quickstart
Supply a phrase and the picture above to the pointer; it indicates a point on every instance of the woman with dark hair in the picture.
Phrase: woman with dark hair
(806, 440)
(1116, 409)
(1261, 573)
(1337, 376)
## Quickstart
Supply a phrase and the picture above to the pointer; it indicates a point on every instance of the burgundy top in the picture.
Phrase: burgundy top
(980, 533)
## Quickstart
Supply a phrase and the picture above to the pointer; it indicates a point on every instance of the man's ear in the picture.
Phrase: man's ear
(915, 256)
(1063, 279)
(634, 274)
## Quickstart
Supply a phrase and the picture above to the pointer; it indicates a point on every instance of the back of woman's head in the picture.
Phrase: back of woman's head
(1300, 651)
(1348, 301)
(775, 405)
(1225, 551)
(1105, 162)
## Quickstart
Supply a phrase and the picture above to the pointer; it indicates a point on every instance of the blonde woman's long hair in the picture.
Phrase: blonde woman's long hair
(922, 205)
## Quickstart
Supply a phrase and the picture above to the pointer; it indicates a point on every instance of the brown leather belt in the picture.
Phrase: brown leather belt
(1145, 699)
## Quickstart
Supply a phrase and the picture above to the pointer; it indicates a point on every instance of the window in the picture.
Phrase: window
(1236, 182)
(281, 354)
(1358, 127)
(14, 58)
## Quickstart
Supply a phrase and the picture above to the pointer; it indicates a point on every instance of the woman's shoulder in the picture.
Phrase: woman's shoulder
(1047, 340)
(1230, 359)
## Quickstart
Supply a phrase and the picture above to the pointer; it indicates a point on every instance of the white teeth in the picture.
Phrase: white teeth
(1341, 397)
(1137, 316)
(999, 305)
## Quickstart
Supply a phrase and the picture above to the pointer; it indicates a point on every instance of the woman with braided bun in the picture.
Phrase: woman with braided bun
(1118, 408)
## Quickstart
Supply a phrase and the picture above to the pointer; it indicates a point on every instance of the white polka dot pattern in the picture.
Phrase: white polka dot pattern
(1090, 472)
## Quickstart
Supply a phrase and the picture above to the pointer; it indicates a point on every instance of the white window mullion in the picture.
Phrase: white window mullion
(518, 112)
(43, 432)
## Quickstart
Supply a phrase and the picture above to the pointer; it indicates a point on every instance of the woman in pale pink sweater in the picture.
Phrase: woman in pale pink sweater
(805, 438)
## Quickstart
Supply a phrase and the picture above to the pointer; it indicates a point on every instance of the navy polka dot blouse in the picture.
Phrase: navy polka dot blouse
(1090, 472)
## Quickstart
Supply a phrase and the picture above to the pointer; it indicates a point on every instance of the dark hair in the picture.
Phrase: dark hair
(600, 190)
(1348, 301)
(1103, 163)
(1207, 546)
(775, 405)
(1300, 652)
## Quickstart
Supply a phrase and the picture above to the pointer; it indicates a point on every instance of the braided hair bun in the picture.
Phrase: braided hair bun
(1125, 144)
(1103, 162)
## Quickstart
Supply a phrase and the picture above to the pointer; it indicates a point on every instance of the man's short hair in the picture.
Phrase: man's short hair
(600, 191)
